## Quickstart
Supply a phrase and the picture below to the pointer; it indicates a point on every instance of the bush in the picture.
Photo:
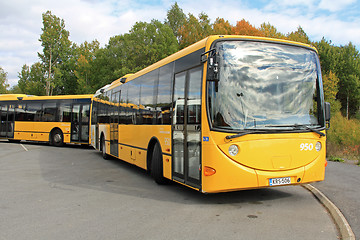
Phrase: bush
(344, 137)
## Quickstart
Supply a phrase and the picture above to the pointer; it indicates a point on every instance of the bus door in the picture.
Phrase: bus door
(187, 127)
(80, 116)
(7, 117)
(114, 130)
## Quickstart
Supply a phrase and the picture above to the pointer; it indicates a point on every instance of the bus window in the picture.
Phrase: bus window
(49, 112)
(33, 112)
(163, 103)
(65, 112)
(20, 112)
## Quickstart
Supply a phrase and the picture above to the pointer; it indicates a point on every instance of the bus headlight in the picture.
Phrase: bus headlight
(318, 146)
(233, 150)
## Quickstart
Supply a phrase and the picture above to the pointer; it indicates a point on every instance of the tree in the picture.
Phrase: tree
(243, 27)
(194, 30)
(145, 44)
(32, 79)
(331, 89)
(3, 81)
(56, 47)
(83, 66)
(299, 36)
(348, 71)
(175, 19)
(271, 31)
(221, 27)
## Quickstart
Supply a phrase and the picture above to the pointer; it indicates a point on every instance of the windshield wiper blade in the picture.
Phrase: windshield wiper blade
(242, 134)
(297, 126)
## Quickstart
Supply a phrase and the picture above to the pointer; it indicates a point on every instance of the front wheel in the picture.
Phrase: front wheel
(157, 166)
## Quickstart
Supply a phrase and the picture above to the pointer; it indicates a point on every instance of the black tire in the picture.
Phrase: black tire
(157, 166)
(103, 149)
(57, 138)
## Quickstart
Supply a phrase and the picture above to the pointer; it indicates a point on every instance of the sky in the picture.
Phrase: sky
(86, 20)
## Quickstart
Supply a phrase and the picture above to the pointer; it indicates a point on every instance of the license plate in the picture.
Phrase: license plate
(279, 181)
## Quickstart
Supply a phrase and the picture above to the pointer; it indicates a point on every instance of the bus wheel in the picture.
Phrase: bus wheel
(57, 138)
(103, 149)
(157, 166)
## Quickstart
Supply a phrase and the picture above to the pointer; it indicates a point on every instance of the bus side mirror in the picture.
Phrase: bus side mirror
(327, 114)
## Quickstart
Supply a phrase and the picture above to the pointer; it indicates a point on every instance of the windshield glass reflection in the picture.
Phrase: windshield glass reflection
(264, 86)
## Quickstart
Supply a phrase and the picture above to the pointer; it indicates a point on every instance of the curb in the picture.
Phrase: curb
(345, 230)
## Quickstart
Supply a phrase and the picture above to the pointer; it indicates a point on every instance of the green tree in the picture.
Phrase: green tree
(271, 31)
(175, 19)
(299, 36)
(32, 79)
(348, 71)
(145, 44)
(85, 55)
(3, 81)
(56, 48)
(331, 89)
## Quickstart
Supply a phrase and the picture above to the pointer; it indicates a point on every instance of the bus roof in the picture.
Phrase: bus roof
(12, 97)
(204, 43)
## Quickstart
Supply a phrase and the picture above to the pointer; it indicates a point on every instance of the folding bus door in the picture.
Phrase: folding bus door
(7, 118)
(187, 127)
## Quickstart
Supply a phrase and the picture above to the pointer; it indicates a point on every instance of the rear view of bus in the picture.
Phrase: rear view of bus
(265, 120)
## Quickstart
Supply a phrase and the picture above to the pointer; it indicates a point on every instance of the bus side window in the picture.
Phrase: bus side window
(65, 112)
(49, 112)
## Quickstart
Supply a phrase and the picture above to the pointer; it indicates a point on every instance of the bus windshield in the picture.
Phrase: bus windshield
(265, 86)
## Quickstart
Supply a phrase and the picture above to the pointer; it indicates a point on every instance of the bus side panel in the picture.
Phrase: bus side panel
(134, 149)
(39, 131)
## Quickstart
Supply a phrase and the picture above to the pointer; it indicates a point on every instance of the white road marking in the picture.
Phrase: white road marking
(24, 148)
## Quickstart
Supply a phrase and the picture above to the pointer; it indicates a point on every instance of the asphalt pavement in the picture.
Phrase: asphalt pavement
(72, 193)
(342, 187)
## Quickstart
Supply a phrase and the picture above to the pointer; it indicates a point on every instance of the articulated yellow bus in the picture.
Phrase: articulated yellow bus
(54, 119)
(224, 114)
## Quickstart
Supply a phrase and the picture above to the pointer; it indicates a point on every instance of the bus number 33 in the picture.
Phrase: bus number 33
(306, 146)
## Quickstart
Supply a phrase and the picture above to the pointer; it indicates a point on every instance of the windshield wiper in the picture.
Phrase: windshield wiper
(298, 126)
(242, 134)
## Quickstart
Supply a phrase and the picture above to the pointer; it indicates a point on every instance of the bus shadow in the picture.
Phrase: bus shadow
(87, 169)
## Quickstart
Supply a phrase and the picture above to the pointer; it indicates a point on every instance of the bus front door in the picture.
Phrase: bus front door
(187, 127)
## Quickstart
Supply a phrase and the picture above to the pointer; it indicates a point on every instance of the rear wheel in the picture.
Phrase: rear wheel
(57, 138)
(157, 166)
(103, 149)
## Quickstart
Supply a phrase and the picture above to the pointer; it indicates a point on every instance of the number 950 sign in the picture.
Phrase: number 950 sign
(306, 146)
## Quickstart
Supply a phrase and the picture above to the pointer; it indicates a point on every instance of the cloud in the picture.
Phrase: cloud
(86, 20)
(335, 5)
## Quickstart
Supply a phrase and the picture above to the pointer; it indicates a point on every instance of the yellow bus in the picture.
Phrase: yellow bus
(53, 119)
(224, 114)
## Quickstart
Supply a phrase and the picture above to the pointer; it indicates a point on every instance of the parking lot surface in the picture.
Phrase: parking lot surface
(72, 193)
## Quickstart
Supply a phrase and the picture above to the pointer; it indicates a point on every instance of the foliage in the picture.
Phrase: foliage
(56, 45)
(299, 36)
(32, 79)
(3, 81)
(271, 31)
(243, 27)
(344, 137)
(175, 19)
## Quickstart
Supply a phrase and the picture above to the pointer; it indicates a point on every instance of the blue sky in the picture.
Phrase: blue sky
(20, 20)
